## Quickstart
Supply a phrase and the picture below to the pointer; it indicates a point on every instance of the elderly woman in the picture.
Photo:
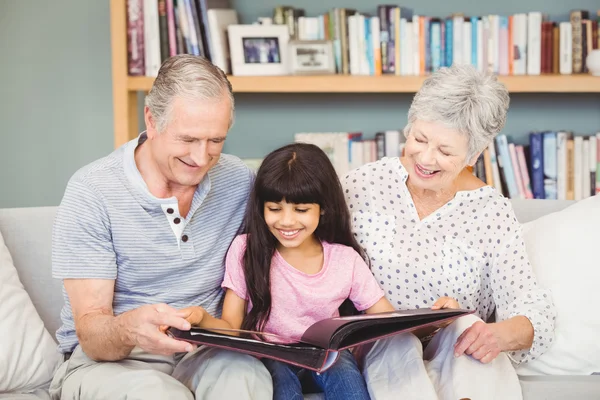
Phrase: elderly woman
(439, 237)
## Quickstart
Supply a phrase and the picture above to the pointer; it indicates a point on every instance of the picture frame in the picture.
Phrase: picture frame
(311, 57)
(258, 50)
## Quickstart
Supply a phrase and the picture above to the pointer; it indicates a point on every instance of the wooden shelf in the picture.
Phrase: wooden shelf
(386, 84)
(126, 88)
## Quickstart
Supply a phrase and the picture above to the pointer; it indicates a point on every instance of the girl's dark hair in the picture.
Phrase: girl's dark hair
(298, 173)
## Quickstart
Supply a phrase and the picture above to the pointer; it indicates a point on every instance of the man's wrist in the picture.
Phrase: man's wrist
(122, 325)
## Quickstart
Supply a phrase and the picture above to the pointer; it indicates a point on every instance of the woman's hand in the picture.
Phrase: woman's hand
(445, 302)
(479, 341)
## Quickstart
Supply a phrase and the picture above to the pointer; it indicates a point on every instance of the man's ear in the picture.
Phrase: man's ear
(151, 131)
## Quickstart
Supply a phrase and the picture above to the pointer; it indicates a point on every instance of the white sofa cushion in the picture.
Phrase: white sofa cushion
(563, 249)
(28, 353)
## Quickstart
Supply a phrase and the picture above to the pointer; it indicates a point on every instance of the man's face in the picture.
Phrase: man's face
(192, 141)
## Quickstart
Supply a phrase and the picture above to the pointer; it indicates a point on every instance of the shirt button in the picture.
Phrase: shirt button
(177, 220)
(184, 238)
(170, 210)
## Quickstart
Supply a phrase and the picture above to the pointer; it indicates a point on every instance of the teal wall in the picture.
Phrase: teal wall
(55, 93)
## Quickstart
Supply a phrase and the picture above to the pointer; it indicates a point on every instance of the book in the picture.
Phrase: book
(321, 343)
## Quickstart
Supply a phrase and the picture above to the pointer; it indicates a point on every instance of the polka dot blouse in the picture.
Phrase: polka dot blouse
(470, 249)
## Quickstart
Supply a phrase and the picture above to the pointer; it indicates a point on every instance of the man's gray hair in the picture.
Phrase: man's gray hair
(189, 77)
(462, 98)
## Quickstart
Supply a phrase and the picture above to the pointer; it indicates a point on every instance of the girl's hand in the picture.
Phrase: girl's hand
(193, 315)
(445, 302)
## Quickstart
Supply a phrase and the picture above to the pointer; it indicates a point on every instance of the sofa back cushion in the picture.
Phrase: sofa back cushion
(28, 355)
(563, 250)
(27, 233)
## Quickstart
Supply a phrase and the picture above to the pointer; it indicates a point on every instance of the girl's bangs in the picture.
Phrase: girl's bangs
(293, 187)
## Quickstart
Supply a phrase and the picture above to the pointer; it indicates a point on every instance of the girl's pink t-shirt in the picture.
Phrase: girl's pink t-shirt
(298, 300)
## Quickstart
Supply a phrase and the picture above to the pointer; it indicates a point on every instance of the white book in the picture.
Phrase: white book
(480, 46)
(520, 44)
(578, 161)
(334, 144)
(585, 169)
(151, 38)
(457, 40)
(467, 42)
(392, 143)
(495, 32)
(597, 163)
(534, 43)
(561, 165)
(353, 45)
(376, 43)
(566, 48)
(218, 21)
(356, 154)
(416, 47)
(593, 154)
(408, 49)
(593, 160)
(489, 44)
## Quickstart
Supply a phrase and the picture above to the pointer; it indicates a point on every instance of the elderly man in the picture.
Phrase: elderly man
(142, 233)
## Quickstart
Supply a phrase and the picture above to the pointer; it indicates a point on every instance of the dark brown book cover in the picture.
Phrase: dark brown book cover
(576, 17)
(320, 345)
(135, 37)
(163, 30)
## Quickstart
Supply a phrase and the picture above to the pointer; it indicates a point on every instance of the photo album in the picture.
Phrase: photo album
(322, 342)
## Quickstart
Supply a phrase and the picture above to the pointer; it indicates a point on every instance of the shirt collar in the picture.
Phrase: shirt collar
(134, 177)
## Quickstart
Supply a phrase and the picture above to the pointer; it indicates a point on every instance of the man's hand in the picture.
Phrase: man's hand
(142, 328)
(479, 341)
(445, 302)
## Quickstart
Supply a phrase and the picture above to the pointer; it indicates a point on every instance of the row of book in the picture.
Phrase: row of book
(159, 29)
(349, 150)
(553, 165)
(398, 41)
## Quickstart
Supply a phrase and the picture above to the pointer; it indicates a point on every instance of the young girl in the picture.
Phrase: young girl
(296, 265)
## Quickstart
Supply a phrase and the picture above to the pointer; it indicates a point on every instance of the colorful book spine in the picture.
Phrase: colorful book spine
(537, 165)
(549, 143)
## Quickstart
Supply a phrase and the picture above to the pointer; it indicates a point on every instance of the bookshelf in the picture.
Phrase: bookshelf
(126, 88)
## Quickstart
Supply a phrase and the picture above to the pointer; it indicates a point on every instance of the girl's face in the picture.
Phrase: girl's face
(292, 224)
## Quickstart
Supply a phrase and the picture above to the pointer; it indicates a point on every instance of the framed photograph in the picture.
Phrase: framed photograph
(258, 49)
(311, 57)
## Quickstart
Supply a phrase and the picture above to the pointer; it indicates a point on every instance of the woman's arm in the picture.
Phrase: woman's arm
(524, 312)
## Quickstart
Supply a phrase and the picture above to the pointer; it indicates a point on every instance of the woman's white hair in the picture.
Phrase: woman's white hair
(462, 98)
(190, 77)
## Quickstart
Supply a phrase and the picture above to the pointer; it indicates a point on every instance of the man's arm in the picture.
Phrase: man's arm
(104, 337)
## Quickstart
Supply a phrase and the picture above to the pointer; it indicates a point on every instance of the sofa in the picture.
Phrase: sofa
(27, 235)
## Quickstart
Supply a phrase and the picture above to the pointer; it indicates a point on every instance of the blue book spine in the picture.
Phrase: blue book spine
(449, 27)
(537, 165)
(435, 46)
(550, 168)
(369, 46)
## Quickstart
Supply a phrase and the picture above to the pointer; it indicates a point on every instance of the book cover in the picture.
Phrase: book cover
(321, 343)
